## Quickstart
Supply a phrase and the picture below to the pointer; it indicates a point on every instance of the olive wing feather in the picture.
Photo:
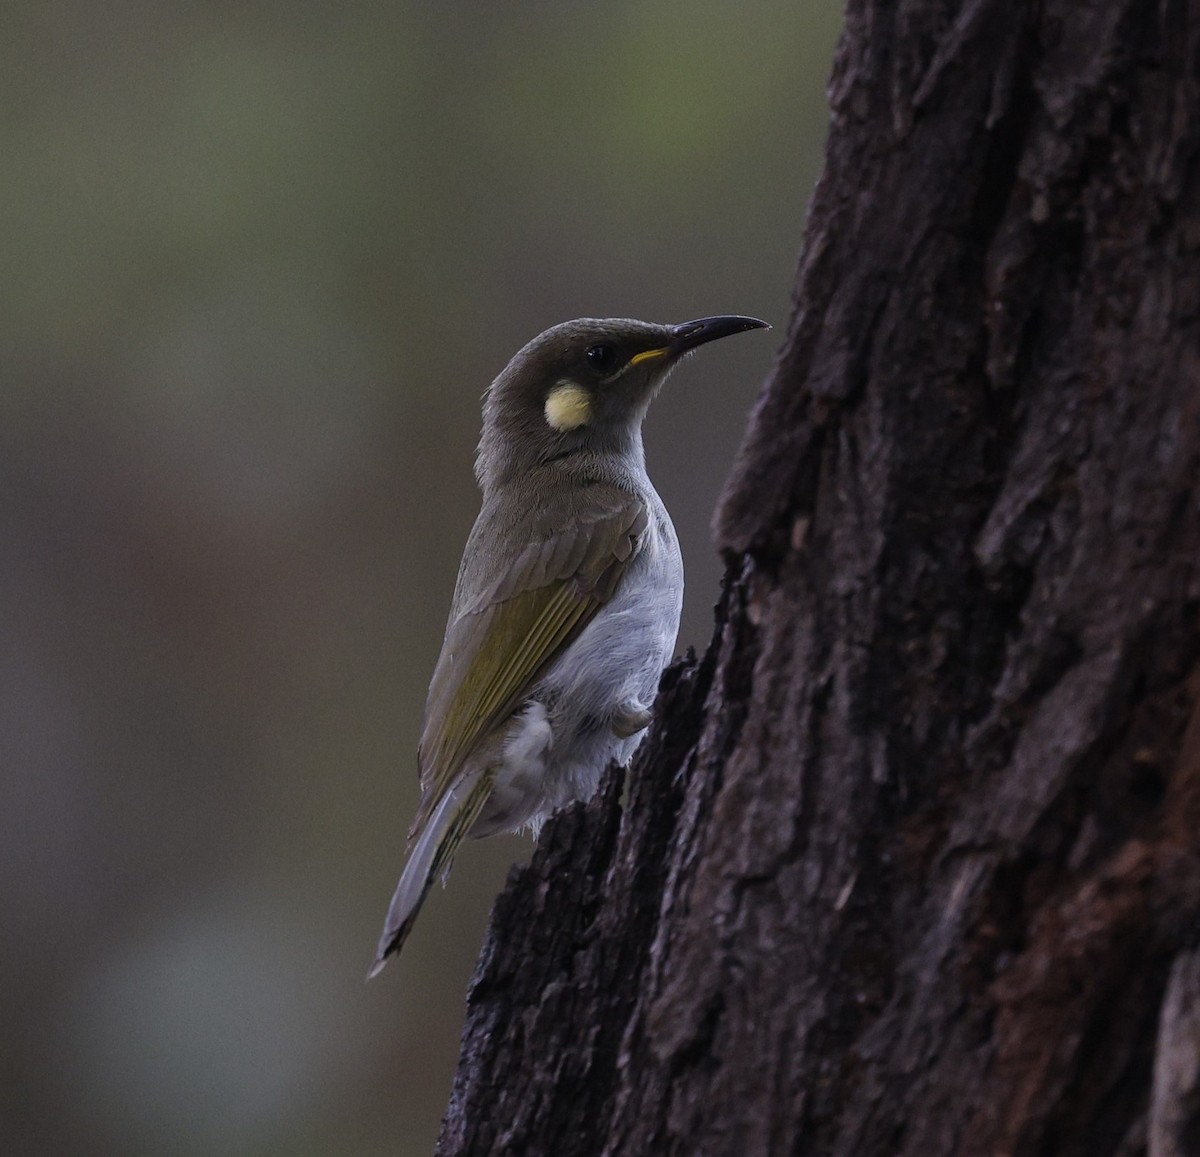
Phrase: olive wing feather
(502, 638)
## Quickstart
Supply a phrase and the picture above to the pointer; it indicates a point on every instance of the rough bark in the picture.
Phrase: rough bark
(910, 864)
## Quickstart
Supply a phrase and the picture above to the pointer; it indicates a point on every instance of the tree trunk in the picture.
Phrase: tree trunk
(910, 864)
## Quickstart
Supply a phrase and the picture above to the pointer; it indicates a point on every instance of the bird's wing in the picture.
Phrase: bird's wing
(503, 639)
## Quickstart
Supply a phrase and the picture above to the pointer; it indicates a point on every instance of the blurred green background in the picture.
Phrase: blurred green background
(259, 263)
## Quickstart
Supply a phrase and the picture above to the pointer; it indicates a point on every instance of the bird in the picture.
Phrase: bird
(566, 608)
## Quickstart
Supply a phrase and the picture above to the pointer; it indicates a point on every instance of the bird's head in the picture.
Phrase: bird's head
(585, 386)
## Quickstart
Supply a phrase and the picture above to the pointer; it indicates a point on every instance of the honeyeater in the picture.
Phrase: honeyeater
(568, 596)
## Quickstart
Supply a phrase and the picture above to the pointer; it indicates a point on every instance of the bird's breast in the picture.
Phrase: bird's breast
(623, 650)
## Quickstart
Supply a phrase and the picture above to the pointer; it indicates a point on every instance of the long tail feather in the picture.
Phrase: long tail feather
(431, 856)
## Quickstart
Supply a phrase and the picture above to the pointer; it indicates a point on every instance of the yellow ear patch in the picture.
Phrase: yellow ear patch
(568, 406)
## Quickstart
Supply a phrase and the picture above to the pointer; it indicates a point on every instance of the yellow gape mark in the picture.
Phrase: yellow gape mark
(649, 355)
(568, 406)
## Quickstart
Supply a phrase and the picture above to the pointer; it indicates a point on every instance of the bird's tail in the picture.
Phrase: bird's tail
(431, 855)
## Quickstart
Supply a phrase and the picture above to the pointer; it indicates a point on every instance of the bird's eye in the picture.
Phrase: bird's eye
(602, 357)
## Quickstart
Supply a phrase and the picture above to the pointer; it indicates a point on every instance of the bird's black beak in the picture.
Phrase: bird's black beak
(690, 334)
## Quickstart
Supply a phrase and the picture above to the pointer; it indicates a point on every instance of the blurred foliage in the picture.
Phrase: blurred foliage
(261, 259)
